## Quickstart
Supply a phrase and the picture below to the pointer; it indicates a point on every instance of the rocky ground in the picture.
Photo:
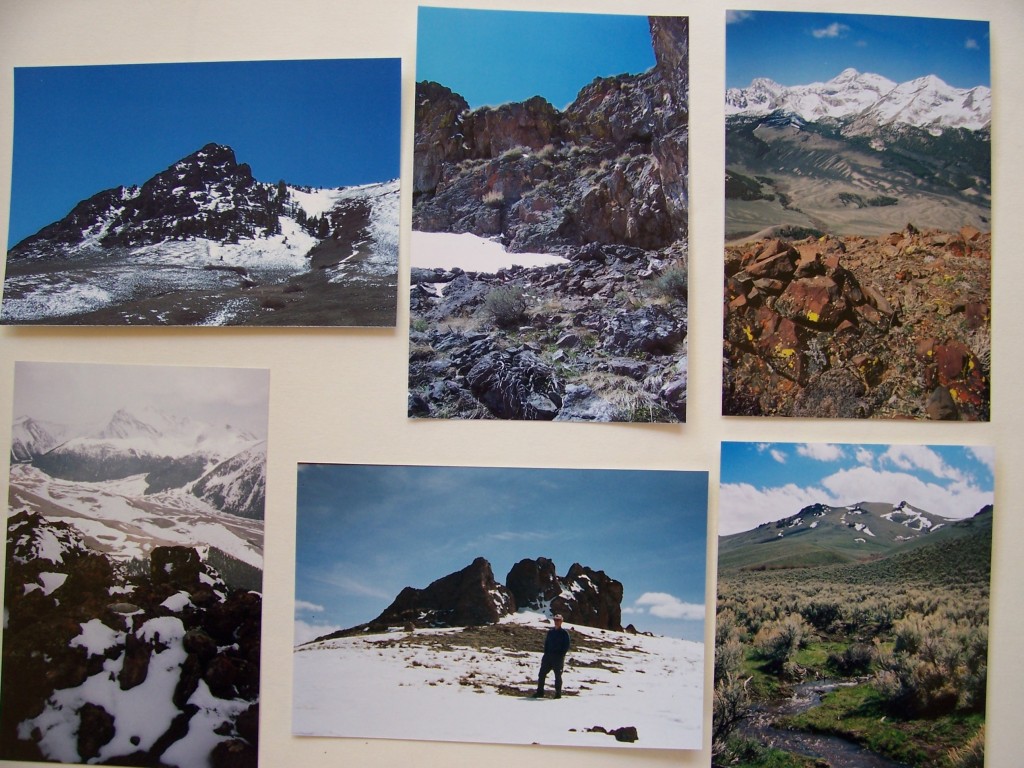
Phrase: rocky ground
(593, 341)
(602, 184)
(896, 326)
(126, 663)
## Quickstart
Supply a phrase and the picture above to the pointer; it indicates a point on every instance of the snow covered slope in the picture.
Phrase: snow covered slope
(474, 684)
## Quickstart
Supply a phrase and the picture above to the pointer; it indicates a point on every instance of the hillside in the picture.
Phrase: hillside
(851, 543)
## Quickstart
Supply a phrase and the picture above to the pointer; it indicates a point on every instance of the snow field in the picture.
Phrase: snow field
(367, 688)
(126, 525)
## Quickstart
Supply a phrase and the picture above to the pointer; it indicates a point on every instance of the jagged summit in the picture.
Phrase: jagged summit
(925, 102)
(473, 597)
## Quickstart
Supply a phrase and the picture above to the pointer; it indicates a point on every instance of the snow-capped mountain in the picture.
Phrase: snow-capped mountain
(32, 437)
(223, 465)
(204, 242)
(870, 99)
(237, 485)
(891, 522)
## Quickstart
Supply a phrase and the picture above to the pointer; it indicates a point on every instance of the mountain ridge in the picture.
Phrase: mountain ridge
(872, 100)
(221, 465)
(822, 535)
(204, 242)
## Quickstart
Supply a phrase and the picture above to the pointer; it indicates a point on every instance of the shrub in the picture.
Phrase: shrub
(856, 659)
(493, 198)
(674, 283)
(778, 642)
(937, 666)
(731, 705)
(506, 305)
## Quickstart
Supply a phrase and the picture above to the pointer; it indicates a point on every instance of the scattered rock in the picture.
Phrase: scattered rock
(858, 327)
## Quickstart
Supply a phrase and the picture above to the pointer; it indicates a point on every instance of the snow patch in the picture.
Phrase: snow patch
(471, 253)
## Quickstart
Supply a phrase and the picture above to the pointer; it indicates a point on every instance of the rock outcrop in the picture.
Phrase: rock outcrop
(465, 598)
(472, 597)
(603, 184)
(583, 596)
(77, 618)
(855, 327)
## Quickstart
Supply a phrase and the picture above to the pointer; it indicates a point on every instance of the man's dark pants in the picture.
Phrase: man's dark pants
(550, 663)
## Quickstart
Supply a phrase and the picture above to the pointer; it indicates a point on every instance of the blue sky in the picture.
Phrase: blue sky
(494, 57)
(762, 482)
(800, 48)
(366, 532)
(80, 130)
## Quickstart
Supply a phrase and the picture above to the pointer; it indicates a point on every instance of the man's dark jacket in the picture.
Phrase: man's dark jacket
(556, 643)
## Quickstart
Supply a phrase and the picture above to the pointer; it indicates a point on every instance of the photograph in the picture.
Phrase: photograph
(257, 193)
(500, 605)
(550, 236)
(858, 233)
(853, 605)
(134, 569)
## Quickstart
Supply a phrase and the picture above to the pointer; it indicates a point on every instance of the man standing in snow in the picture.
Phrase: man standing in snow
(556, 645)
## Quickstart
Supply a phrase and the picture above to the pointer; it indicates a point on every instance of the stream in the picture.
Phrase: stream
(836, 751)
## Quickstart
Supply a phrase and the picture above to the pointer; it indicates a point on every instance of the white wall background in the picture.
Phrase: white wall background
(340, 395)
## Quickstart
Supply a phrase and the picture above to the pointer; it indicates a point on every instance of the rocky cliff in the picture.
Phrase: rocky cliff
(603, 184)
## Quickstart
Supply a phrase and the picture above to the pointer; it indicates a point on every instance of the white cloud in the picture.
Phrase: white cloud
(985, 454)
(971, 44)
(957, 500)
(778, 455)
(865, 457)
(303, 605)
(304, 632)
(835, 29)
(666, 606)
(743, 507)
(735, 17)
(820, 451)
(920, 457)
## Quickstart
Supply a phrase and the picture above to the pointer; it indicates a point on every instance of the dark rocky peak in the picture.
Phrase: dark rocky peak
(85, 218)
(533, 582)
(469, 597)
(439, 136)
(214, 166)
(583, 596)
(207, 194)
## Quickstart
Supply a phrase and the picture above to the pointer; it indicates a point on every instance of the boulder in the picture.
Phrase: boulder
(516, 385)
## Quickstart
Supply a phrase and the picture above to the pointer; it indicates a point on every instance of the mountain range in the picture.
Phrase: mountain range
(856, 155)
(869, 100)
(220, 464)
(820, 535)
(204, 242)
